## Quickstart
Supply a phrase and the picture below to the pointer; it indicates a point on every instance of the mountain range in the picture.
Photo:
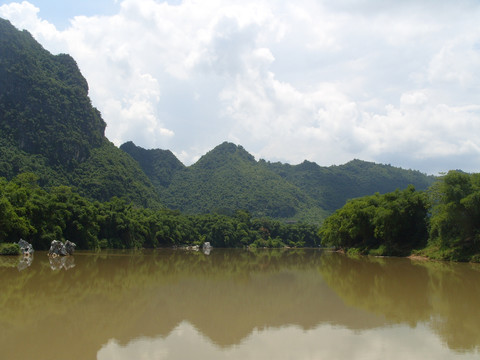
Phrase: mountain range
(48, 126)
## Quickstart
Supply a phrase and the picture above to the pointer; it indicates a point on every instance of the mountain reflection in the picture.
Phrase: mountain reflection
(111, 302)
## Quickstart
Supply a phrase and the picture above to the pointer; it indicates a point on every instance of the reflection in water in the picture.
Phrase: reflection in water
(21, 262)
(61, 262)
(288, 342)
(25, 261)
(443, 295)
(238, 304)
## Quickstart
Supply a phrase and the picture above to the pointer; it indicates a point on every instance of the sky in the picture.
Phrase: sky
(394, 82)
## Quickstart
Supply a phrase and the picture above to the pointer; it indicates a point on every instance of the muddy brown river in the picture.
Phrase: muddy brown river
(236, 304)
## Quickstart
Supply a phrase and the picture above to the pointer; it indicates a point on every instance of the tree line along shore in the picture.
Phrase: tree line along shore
(439, 223)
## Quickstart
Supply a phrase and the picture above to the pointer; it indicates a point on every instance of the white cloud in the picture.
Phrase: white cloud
(329, 81)
(413, 98)
(25, 16)
(456, 63)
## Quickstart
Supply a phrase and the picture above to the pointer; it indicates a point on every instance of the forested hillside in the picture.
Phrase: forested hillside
(159, 165)
(229, 178)
(48, 125)
(44, 104)
(332, 186)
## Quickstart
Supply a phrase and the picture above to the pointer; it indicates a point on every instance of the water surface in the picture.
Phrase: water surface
(235, 304)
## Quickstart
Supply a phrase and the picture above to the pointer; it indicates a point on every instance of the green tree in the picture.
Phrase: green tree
(455, 221)
(391, 224)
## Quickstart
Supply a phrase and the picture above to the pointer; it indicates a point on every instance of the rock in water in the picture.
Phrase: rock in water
(57, 248)
(25, 247)
(70, 247)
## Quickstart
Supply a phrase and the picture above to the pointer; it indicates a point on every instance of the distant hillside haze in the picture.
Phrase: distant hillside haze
(48, 126)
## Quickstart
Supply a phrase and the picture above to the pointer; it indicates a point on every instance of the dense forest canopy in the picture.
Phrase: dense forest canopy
(27, 211)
